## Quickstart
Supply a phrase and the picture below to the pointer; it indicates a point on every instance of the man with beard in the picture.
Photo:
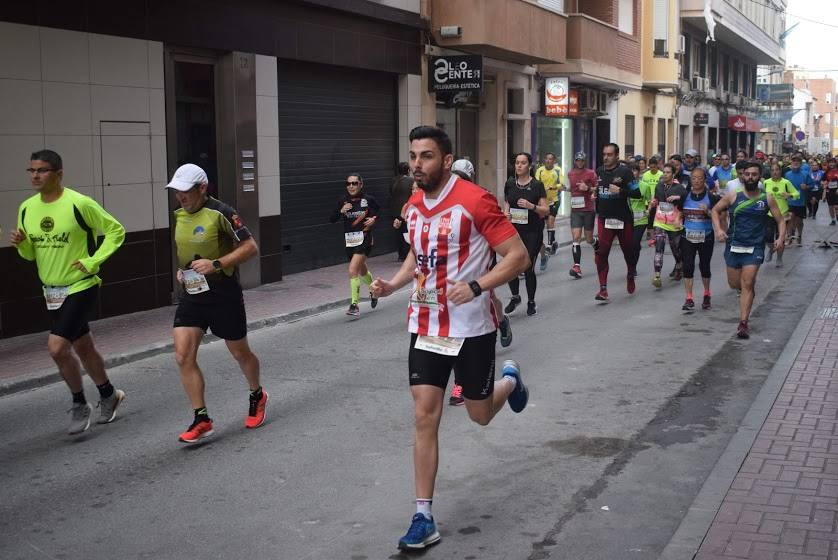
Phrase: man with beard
(745, 249)
(454, 226)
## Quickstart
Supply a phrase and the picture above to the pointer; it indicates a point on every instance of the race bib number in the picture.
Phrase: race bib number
(696, 235)
(443, 345)
(740, 249)
(354, 238)
(833, 185)
(668, 214)
(519, 215)
(194, 282)
(639, 215)
(614, 223)
(577, 201)
(55, 296)
(425, 297)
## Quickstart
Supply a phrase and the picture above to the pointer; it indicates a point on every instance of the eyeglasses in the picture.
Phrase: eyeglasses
(352, 183)
(39, 171)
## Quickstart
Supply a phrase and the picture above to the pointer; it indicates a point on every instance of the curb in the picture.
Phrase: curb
(48, 377)
(695, 524)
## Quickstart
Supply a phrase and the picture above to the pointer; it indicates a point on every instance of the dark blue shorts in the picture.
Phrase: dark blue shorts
(738, 260)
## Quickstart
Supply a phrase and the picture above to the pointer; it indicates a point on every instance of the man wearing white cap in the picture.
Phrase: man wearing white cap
(211, 242)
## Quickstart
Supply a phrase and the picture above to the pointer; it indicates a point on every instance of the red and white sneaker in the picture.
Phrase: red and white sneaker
(743, 331)
(456, 398)
(576, 271)
(256, 412)
(601, 295)
(199, 429)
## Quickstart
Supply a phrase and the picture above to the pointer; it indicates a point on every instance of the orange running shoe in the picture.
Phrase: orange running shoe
(199, 429)
(456, 398)
(256, 412)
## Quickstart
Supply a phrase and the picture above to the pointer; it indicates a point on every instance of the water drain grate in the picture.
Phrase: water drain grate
(829, 313)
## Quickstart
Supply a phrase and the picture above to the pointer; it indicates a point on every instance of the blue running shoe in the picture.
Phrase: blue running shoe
(422, 533)
(518, 398)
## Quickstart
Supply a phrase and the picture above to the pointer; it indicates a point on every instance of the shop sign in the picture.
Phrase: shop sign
(701, 118)
(775, 93)
(741, 123)
(456, 73)
(556, 97)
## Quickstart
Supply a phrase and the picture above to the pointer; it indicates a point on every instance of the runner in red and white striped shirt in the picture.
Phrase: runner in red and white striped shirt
(454, 227)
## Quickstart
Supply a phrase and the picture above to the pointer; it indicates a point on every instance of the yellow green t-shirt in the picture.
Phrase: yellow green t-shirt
(776, 188)
(551, 178)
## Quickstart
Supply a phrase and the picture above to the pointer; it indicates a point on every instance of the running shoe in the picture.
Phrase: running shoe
(107, 407)
(531, 308)
(672, 274)
(601, 295)
(576, 271)
(770, 255)
(79, 418)
(256, 411)
(373, 301)
(689, 305)
(542, 266)
(505, 332)
(679, 274)
(743, 331)
(650, 242)
(456, 398)
(513, 303)
(705, 304)
(832, 223)
(656, 281)
(520, 395)
(554, 247)
(199, 429)
(353, 310)
(630, 287)
(422, 533)
(595, 244)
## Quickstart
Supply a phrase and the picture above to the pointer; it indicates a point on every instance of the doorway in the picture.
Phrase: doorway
(603, 137)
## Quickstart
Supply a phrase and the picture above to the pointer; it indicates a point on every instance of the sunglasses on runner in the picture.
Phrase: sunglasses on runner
(352, 183)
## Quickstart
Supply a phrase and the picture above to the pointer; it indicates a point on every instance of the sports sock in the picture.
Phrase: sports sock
(423, 506)
(355, 289)
(201, 413)
(706, 293)
(105, 389)
(367, 278)
(690, 297)
(577, 253)
(78, 398)
(551, 236)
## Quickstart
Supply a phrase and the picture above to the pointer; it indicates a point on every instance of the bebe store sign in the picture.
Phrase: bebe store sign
(456, 73)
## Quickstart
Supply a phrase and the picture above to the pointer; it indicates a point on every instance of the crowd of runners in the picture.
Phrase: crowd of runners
(460, 247)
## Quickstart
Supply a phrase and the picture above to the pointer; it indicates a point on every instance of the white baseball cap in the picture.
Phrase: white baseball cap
(463, 166)
(692, 152)
(186, 177)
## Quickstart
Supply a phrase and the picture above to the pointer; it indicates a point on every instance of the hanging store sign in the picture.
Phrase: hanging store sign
(456, 73)
(775, 93)
(701, 118)
(556, 97)
(741, 123)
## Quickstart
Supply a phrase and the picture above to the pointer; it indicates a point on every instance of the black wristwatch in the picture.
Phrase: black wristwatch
(216, 264)
(475, 287)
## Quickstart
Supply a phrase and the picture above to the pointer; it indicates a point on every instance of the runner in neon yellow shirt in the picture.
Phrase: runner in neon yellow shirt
(781, 189)
(57, 228)
(552, 177)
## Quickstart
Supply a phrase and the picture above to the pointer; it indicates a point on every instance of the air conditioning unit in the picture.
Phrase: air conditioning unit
(602, 102)
(587, 100)
(682, 44)
(697, 83)
(706, 87)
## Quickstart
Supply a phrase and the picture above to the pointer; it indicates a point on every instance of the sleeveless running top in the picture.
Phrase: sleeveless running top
(747, 220)
(696, 219)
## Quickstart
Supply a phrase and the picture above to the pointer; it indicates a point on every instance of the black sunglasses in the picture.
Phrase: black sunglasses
(352, 183)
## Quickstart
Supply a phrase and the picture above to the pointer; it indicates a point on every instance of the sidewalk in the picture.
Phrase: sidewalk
(783, 499)
(127, 338)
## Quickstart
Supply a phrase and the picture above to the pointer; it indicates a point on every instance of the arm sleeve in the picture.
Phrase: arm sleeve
(233, 226)
(25, 248)
(99, 219)
(374, 208)
(490, 222)
(540, 190)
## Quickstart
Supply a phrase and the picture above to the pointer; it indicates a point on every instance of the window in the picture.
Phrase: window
(746, 80)
(714, 66)
(734, 78)
(625, 17)
(629, 137)
(695, 59)
(662, 137)
(686, 59)
(829, 97)
(725, 72)
(555, 5)
(660, 27)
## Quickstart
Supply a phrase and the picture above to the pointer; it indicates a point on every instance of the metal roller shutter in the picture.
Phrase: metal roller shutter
(332, 121)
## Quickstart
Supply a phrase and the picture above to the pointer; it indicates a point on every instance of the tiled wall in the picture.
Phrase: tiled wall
(267, 151)
(58, 89)
(410, 110)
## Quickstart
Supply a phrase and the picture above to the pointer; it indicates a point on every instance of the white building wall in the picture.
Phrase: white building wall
(98, 101)
(267, 135)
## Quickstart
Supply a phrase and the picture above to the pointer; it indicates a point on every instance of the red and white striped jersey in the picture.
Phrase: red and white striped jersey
(452, 237)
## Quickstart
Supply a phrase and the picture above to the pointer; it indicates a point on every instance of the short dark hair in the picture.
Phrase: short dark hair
(525, 154)
(50, 157)
(549, 154)
(676, 157)
(740, 164)
(615, 146)
(358, 175)
(403, 168)
(752, 163)
(436, 134)
(653, 159)
(670, 166)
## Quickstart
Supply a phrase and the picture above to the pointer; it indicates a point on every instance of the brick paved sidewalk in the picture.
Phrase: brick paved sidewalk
(782, 504)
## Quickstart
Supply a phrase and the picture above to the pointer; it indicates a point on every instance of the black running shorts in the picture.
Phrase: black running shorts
(474, 367)
(227, 320)
(799, 211)
(364, 248)
(70, 321)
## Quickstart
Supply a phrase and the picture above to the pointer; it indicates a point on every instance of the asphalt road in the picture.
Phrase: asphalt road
(632, 402)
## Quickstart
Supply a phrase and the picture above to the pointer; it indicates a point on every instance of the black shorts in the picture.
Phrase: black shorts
(71, 320)
(799, 211)
(832, 196)
(554, 209)
(364, 248)
(227, 320)
(582, 219)
(474, 368)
